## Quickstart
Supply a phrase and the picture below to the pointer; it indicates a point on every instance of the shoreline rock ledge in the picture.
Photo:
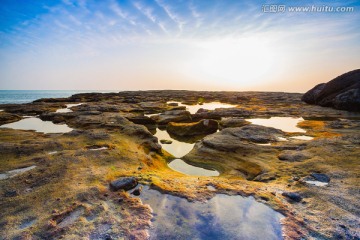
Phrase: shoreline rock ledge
(343, 92)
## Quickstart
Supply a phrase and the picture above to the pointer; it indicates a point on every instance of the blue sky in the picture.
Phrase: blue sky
(163, 44)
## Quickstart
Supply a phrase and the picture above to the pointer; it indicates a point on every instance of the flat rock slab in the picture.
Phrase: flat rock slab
(125, 183)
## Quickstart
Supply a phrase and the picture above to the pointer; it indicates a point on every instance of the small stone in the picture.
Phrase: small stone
(342, 226)
(11, 193)
(292, 196)
(320, 177)
(137, 191)
(125, 183)
(108, 237)
(165, 141)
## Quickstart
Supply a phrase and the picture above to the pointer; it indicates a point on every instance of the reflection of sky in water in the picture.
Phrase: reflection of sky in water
(181, 166)
(286, 124)
(209, 106)
(317, 183)
(176, 148)
(13, 173)
(67, 109)
(180, 149)
(38, 125)
(222, 217)
(306, 138)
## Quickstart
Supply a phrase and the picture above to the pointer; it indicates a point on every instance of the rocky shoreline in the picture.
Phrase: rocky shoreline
(68, 196)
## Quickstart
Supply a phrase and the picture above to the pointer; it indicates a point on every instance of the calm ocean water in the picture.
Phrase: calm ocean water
(25, 96)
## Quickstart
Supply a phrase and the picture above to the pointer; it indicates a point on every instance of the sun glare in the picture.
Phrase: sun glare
(247, 61)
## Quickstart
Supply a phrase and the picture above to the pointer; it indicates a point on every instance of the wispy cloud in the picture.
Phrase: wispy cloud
(114, 6)
(172, 15)
(148, 12)
(195, 14)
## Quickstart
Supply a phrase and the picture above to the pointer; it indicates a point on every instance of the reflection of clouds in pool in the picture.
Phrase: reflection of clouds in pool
(209, 106)
(183, 167)
(222, 217)
(38, 125)
(176, 148)
(306, 138)
(67, 109)
(180, 149)
(286, 124)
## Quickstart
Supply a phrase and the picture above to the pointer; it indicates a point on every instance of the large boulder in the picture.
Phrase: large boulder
(343, 92)
(205, 126)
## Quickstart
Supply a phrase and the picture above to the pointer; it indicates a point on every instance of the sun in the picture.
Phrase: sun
(242, 61)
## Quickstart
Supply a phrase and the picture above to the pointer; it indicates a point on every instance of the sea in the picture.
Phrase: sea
(26, 96)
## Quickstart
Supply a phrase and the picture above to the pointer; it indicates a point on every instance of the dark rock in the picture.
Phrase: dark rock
(343, 92)
(233, 122)
(202, 127)
(321, 177)
(294, 156)
(165, 141)
(141, 120)
(8, 118)
(172, 116)
(137, 191)
(11, 193)
(173, 104)
(311, 95)
(349, 100)
(108, 237)
(125, 183)
(292, 196)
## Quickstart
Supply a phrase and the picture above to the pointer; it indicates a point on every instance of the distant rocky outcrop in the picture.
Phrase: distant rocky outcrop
(343, 92)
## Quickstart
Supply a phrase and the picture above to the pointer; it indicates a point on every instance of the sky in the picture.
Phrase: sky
(232, 45)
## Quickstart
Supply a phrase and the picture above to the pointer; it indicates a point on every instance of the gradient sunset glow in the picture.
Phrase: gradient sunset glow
(163, 44)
